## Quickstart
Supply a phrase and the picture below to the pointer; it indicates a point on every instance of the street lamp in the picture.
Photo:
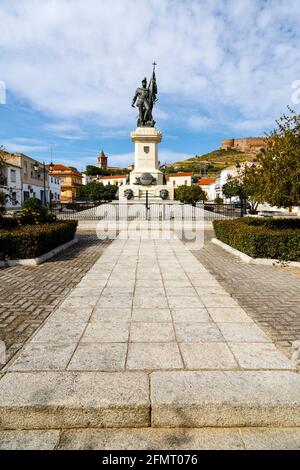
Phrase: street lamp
(36, 167)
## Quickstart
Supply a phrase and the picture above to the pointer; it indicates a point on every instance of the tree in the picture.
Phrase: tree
(246, 189)
(231, 189)
(190, 194)
(97, 192)
(92, 170)
(278, 171)
(252, 188)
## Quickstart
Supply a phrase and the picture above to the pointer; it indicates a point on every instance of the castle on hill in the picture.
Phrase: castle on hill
(245, 144)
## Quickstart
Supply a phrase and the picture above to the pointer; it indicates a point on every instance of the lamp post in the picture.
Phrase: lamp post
(239, 171)
(36, 167)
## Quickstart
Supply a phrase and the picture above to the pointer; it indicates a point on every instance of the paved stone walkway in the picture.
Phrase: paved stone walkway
(153, 439)
(149, 305)
(269, 295)
(28, 294)
(149, 339)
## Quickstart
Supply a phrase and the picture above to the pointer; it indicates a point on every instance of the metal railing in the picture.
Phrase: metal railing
(139, 211)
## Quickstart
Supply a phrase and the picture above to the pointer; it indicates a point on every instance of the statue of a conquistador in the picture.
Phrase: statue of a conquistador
(144, 99)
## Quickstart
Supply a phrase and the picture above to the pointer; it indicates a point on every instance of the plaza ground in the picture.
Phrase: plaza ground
(151, 336)
(269, 295)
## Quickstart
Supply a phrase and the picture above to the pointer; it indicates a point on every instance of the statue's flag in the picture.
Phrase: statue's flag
(152, 87)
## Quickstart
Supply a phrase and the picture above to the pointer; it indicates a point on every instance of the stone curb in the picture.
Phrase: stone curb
(66, 400)
(40, 259)
(225, 399)
(45, 400)
(248, 259)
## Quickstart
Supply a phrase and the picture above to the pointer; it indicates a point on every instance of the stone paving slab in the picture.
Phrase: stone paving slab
(29, 440)
(225, 398)
(74, 399)
(153, 439)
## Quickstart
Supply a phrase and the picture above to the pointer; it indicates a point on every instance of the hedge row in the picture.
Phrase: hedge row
(33, 241)
(261, 238)
(8, 223)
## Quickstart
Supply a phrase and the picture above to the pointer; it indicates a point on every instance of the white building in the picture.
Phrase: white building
(86, 179)
(54, 188)
(180, 179)
(11, 185)
(117, 180)
(32, 178)
(208, 184)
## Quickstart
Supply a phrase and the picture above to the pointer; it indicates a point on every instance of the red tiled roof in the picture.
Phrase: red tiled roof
(59, 167)
(206, 181)
(188, 173)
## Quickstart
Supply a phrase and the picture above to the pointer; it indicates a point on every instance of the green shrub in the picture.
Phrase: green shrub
(33, 241)
(8, 223)
(35, 213)
(272, 223)
(259, 239)
(190, 194)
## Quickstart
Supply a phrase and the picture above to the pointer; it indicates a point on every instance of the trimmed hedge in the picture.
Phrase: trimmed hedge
(32, 241)
(272, 223)
(8, 223)
(261, 238)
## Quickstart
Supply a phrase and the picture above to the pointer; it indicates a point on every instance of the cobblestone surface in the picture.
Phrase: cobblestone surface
(28, 294)
(270, 295)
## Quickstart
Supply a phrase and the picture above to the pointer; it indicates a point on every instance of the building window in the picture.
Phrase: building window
(185, 182)
(174, 183)
(13, 176)
(25, 168)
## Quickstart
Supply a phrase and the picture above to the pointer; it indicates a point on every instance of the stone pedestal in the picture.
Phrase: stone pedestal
(146, 140)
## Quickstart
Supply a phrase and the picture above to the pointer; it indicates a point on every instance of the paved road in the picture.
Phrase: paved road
(270, 295)
(29, 294)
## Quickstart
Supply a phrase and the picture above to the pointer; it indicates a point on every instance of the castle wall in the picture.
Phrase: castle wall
(246, 144)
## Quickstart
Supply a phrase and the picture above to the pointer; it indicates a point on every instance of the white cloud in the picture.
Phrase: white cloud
(81, 61)
(23, 145)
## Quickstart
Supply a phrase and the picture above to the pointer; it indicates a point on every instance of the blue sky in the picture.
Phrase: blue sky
(70, 67)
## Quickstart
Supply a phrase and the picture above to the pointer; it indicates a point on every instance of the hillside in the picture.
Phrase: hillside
(213, 162)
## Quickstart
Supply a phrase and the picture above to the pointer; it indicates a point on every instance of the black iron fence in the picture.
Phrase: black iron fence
(140, 211)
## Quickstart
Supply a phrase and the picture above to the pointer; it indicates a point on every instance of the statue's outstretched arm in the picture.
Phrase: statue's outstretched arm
(134, 99)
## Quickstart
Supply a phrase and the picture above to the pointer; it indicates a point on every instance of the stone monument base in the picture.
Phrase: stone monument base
(139, 193)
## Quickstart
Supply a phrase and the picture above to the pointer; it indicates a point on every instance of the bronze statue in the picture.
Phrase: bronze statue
(144, 99)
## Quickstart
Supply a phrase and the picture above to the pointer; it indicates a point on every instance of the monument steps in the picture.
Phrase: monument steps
(164, 399)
